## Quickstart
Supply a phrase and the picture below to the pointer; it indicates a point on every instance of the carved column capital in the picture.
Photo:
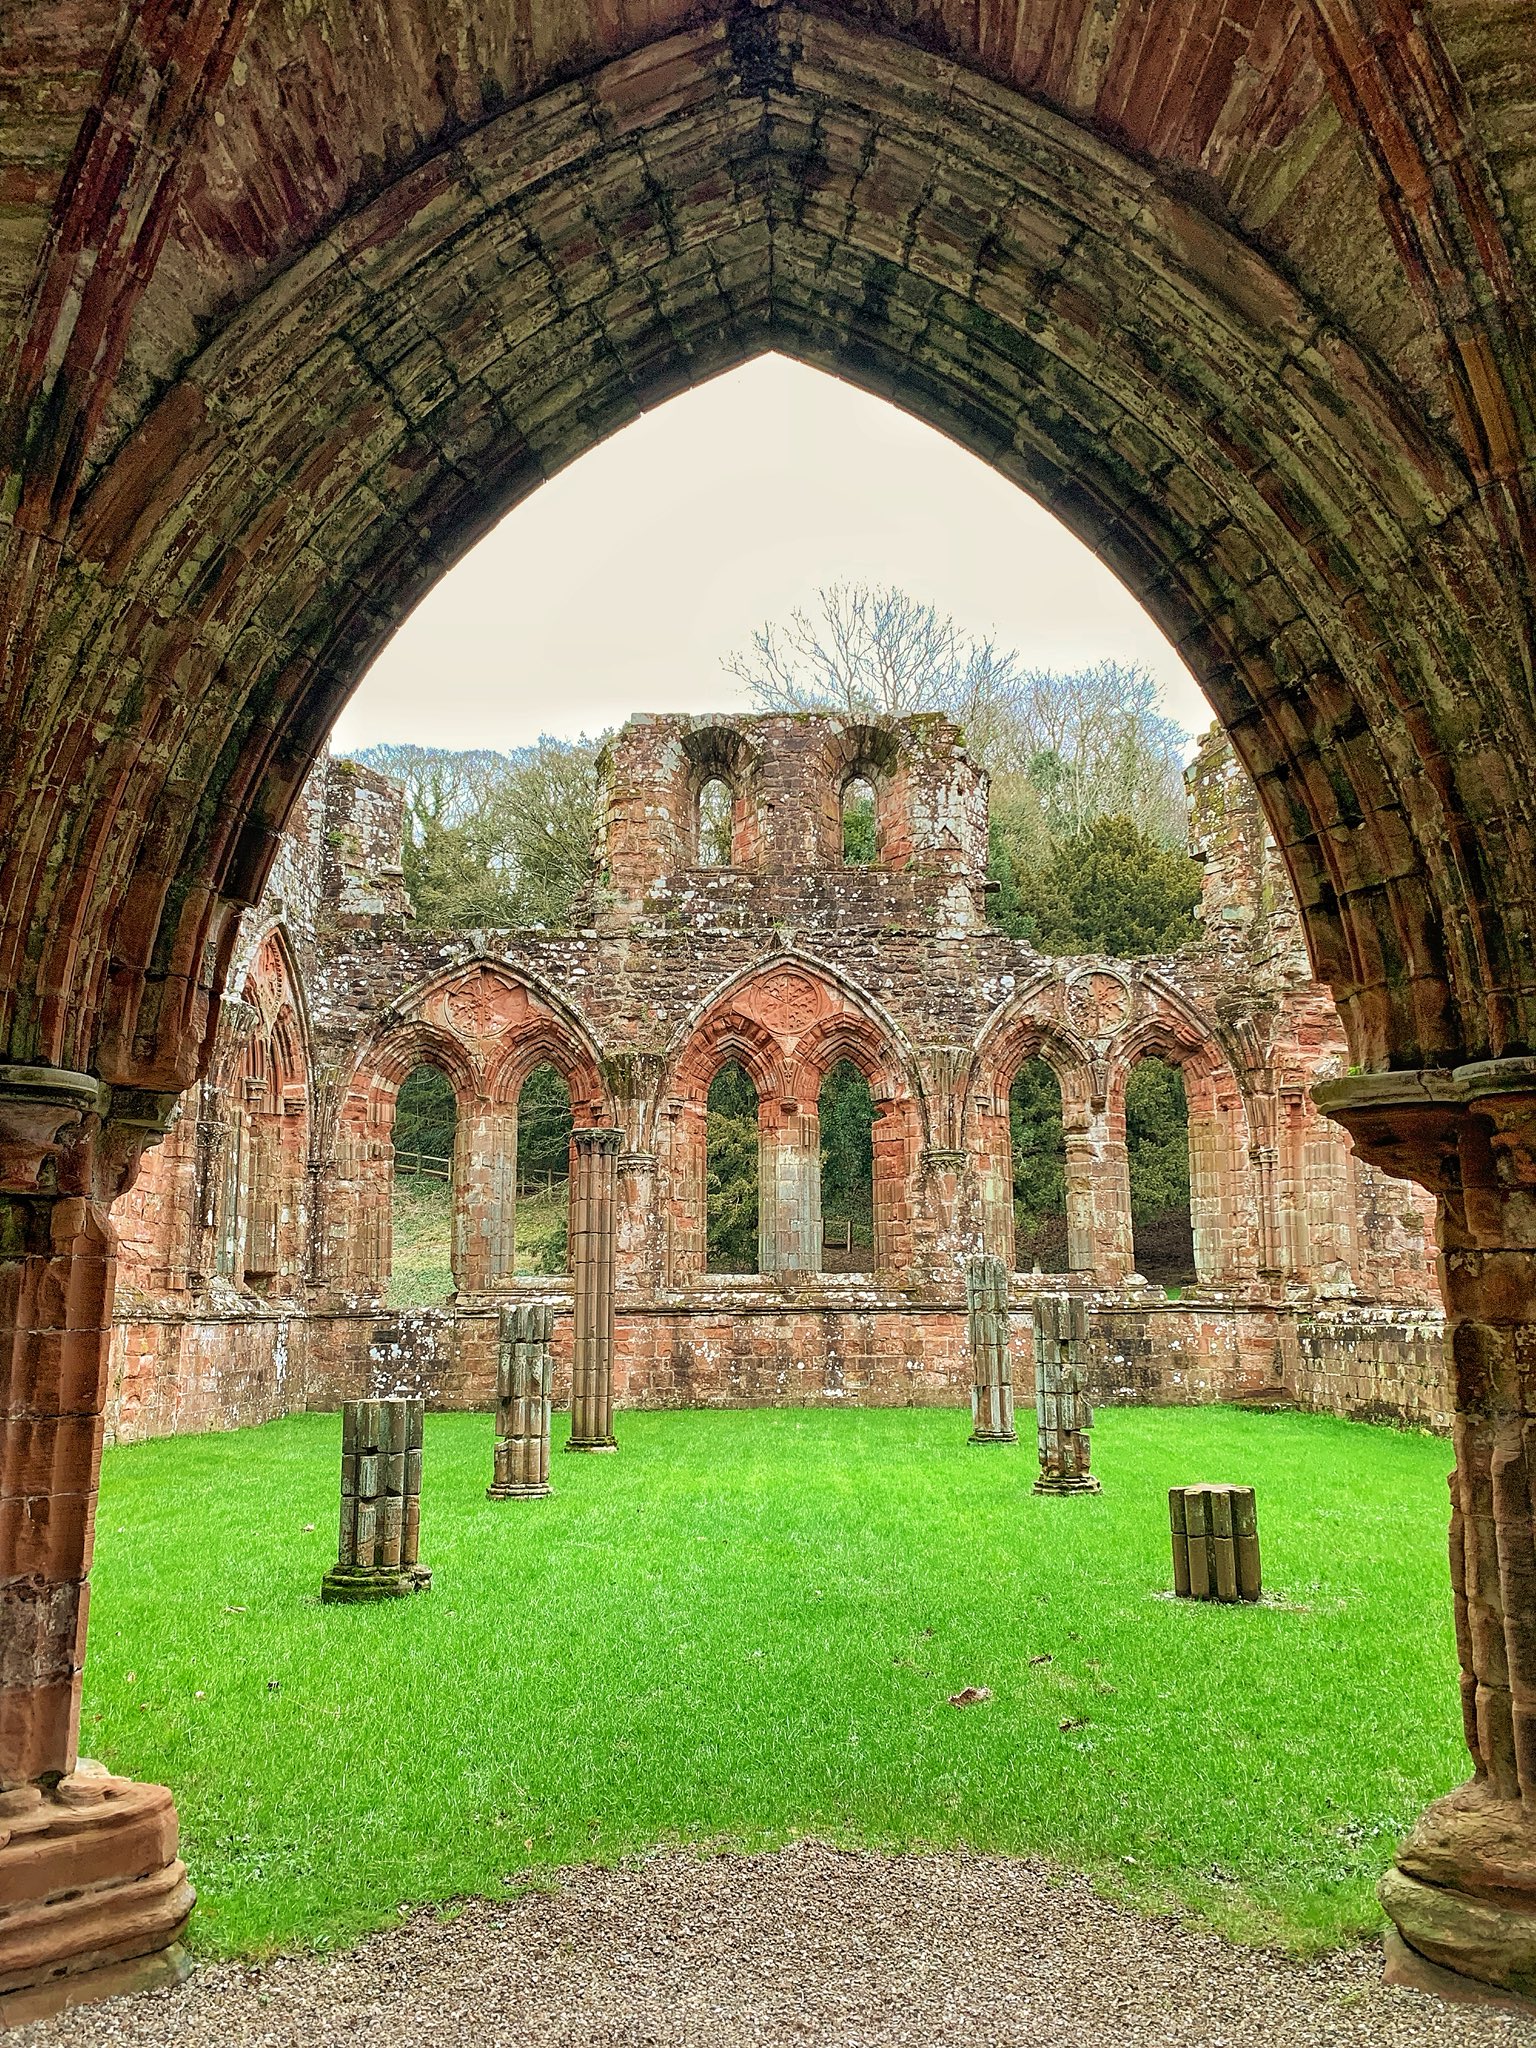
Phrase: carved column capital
(1408, 1124)
(63, 1133)
(598, 1139)
(45, 1114)
(1468, 1134)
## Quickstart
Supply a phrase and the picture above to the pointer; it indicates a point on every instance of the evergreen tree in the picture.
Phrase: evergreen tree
(731, 1194)
(1111, 889)
(1039, 1169)
(847, 1114)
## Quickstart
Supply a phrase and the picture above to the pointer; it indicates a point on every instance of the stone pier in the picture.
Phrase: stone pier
(1061, 1406)
(380, 1537)
(988, 1335)
(594, 1173)
(523, 1374)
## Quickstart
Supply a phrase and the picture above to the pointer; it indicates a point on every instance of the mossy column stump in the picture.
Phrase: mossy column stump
(594, 1177)
(987, 1333)
(1061, 1407)
(523, 1374)
(376, 1555)
(1215, 1533)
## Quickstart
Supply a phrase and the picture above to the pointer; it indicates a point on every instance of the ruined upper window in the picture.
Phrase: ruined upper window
(859, 823)
(717, 808)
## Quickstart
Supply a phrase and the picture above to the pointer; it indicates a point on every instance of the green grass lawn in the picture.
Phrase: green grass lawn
(745, 1627)
(421, 1263)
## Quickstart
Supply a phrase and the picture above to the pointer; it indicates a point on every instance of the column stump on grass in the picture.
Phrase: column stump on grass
(524, 1371)
(376, 1552)
(1215, 1532)
(1062, 1412)
(987, 1334)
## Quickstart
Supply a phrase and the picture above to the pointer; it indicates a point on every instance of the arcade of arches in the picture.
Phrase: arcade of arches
(299, 301)
(699, 1004)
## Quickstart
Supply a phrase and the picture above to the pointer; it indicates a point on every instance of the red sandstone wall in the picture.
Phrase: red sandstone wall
(1371, 1363)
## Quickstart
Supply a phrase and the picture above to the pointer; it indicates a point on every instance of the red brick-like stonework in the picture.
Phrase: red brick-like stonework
(239, 1247)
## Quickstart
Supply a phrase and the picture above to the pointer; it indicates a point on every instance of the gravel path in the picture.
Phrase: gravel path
(808, 1945)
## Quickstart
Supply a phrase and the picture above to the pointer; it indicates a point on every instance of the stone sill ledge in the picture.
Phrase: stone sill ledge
(832, 1293)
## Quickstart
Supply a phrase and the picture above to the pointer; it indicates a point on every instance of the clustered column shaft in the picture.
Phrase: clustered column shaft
(1061, 1407)
(379, 1542)
(523, 1374)
(1215, 1533)
(988, 1334)
(594, 1154)
(1463, 1889)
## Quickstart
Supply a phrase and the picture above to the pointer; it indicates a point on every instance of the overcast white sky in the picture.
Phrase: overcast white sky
(619, 586)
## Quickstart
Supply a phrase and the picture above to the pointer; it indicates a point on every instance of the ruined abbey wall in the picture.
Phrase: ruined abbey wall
(256, 1245)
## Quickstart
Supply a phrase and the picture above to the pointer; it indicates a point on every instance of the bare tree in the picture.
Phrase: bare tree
(1062, 748)
(873, 652)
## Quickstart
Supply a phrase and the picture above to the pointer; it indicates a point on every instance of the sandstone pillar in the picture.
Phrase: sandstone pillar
(523, 1375)
(378, 1549)
(1463, 1889)
(92, 1895)
(1063, 1416)
(485, 1198)
(594, 1163)
(988, 1334)
(789, 1189)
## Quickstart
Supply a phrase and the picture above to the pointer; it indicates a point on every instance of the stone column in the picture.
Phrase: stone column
(523, 1374)
(94, 1895)
(989, 1337)
(1463, 1889)
(1062, 1413)
(378, 1547)
(594, 1163)
(789, 1188)
(485, 1198)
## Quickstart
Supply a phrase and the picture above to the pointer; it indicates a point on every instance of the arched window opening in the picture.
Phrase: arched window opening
(717, 813)
(859, 836)
(847, 1114)
(421, 1203)
(732, 1173)
(1039, 1170)
(543, 1172)
(262, 1194)
(1157, 1148)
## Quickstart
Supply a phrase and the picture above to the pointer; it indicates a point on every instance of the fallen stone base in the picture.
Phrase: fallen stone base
(354, 1582)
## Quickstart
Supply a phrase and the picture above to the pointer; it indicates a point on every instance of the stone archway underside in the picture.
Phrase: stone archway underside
(299, 301)
(1306, 527)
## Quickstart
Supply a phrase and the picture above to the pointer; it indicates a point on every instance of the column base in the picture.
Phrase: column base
(592, 1443)
(1048, 1482)
(516, 1492)
(351, 1583)
(1404, 1965)
(993, 1436)
(1462, 1892)
(93, 1897)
